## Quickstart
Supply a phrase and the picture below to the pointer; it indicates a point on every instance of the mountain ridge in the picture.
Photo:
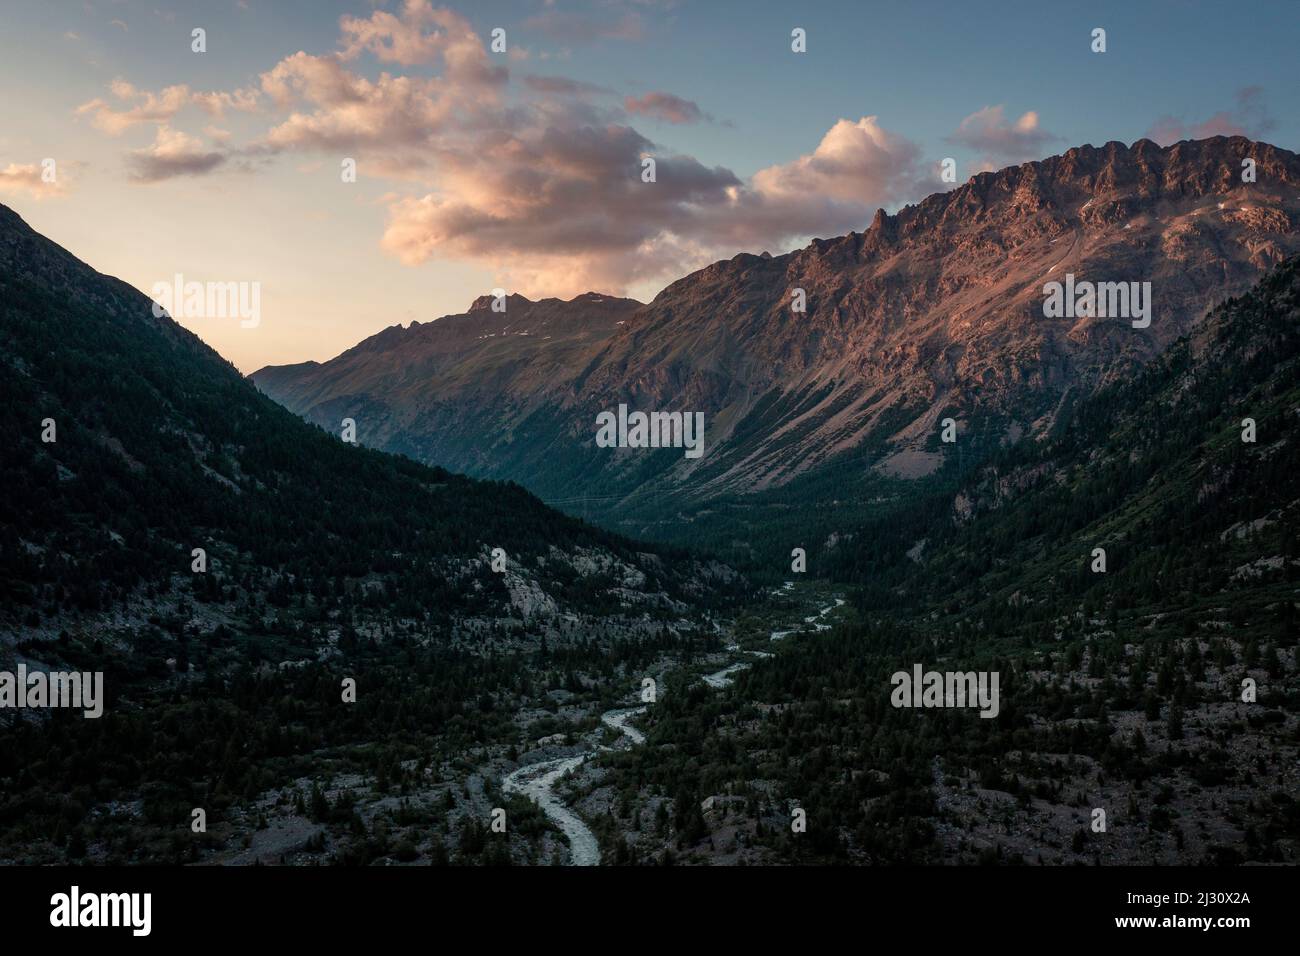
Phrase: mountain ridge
(933, 312)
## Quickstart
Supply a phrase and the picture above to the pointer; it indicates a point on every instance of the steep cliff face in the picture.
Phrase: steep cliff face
(934, 312)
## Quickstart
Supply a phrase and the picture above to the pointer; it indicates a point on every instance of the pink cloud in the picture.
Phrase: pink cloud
(147, 108)
(664, 106)
(30, 178)
(421, 34)
(346, 110)
(142, 106)
(998, 140)
(563, 211)
(1250, 118)
(172, 154)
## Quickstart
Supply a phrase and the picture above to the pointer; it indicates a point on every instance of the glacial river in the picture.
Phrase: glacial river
(537, 781)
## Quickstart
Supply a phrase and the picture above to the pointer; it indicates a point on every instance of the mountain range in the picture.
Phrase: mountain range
(931, 313)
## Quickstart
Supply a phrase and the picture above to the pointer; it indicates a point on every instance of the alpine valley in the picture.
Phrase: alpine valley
(400, 653)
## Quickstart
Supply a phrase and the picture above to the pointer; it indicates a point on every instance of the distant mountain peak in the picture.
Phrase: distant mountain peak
(484, 302)
(515, 300)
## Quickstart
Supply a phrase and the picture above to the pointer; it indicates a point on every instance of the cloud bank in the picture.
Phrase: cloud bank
(539, 178)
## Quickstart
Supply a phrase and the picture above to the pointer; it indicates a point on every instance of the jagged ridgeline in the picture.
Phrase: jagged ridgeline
(161, 446)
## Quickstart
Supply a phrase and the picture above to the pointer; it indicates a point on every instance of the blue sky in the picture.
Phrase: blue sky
(484, 178)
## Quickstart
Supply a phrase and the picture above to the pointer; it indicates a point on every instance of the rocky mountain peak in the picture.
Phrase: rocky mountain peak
(484, 302)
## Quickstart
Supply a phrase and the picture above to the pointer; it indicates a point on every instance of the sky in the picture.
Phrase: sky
(523, 168)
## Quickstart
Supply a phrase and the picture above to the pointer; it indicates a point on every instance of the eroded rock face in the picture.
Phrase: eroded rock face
(934, 312)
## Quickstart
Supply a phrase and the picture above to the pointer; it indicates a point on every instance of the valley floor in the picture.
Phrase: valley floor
(703, 749)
